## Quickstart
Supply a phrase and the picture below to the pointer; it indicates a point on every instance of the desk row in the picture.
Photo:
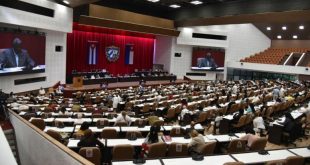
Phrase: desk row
(247, 158)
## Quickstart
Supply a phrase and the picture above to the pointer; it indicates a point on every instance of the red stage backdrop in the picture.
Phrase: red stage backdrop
(217, 54)
(77, 50)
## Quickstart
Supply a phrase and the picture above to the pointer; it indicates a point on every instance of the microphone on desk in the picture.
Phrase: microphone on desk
(1, 66)
(263, 152)
(139, 161)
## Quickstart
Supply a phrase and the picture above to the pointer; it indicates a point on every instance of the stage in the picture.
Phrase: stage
(95, 87)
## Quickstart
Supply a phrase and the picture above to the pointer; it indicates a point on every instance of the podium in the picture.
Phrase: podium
(77, 82)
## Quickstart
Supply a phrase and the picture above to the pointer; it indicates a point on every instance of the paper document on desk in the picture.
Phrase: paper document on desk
(210, 137)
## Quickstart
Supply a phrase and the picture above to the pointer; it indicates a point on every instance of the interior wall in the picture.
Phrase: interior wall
(163, 51)
(290, 44)
(62, 20)
(28, 141)
(245, 40)
(242, 41)
(55, 28)
(269, 68)
(304, 77)
(181, 65)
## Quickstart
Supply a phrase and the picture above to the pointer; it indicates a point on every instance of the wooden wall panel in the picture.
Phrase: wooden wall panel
(113, 24)
(273, 17)
(126, 16)
(290, 44)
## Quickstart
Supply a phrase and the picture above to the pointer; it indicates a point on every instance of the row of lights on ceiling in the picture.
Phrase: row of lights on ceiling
(301, 27)
(294, 37)
(194, 2)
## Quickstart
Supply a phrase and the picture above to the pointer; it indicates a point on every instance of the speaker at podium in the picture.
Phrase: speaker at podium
(77, 82)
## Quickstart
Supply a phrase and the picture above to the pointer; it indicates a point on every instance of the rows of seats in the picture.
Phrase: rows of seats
(198, 99)
(273, 55)
(158, 149)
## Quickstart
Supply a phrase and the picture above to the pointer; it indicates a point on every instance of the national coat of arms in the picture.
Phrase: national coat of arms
(112, 53)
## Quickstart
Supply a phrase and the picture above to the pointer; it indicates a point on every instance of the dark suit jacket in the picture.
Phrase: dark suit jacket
(206, 62)
(90, 142)
(7, 58)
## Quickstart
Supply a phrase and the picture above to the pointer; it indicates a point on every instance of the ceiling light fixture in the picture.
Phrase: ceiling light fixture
(153, 1)
(268, 28)
(196, 2)
(295, 36)
(301, 27)
(284, 28)
(174, 6)
(279, 37)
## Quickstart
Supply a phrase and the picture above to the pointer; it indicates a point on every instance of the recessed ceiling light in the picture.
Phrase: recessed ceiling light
(196, 2)
(301, 27)
(295, 36)
(279, 37)
(174, 6)
(153, 1)
(268, 28)
(66, 2)
(284, 28)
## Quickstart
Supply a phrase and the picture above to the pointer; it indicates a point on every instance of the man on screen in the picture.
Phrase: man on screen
(16, 56)
(208, 61)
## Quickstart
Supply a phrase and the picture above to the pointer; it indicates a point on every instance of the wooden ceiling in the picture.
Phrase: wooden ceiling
(262, 13)
(291, 30)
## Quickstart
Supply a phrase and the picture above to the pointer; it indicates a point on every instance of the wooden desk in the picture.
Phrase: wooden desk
(220, 138)
(65, 129)
(304, 152)
(98, 130)
(147, 162)
(254, 157)
(114, 142)
(214, 160)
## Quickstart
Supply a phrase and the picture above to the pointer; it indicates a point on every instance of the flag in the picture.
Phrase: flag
(92, 52)
(129, 54)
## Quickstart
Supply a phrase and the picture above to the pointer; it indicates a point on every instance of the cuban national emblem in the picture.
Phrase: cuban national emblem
(112, 53)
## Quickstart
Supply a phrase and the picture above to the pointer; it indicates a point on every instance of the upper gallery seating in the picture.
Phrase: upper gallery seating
(273, 55)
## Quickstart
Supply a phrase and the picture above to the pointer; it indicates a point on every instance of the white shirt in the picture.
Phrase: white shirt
(58, 91)
(16, 57)
(208, 88)
(42, 92)
(281, 92)
(64, 113)
(185, 111)
(234, 89)
(121, 118)
(115, 101)
(304, 110)
(217, 120)
(255, 99)
(258, 122)
(158, 98)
